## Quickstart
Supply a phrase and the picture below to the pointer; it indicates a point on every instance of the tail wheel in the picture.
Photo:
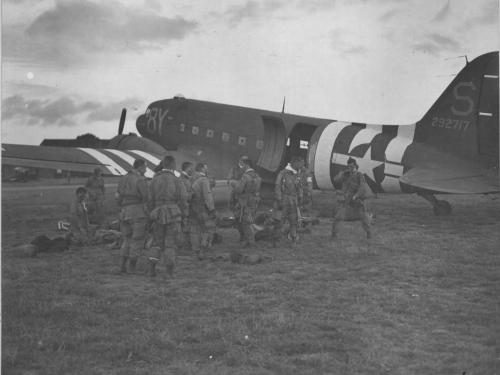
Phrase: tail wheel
(442, 208)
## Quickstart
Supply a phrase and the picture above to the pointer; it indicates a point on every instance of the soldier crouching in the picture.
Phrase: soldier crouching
(169, 206)
(353, 183)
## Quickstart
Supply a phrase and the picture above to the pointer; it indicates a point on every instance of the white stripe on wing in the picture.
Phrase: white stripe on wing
(130, 160)
(105, 160)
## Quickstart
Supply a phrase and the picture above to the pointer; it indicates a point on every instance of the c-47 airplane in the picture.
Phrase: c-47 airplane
(453, 149)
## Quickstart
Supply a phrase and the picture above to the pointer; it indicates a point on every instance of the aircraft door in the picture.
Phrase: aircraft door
(273, 152)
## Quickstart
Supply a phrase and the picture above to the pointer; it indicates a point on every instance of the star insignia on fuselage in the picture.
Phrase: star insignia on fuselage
(373, 169)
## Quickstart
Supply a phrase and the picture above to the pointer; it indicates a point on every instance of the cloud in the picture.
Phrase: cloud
(343, 44)
(64, 111)
(488, 15)
(20, 88)
(111, 111)
(252, 10)
(72, 30)
(317, 5)
(436, 44)
(390, 14)
(443, 13)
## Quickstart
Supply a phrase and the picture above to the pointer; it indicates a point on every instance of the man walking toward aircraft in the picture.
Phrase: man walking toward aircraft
(132, 197)
(247, 195)
(95, 188)
(352, 196)
(288, 194)
(202, 212)
(187, 179)
(234, 175)
(169, 205)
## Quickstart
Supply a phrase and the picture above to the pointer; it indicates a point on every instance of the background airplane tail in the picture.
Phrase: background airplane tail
(464, 120)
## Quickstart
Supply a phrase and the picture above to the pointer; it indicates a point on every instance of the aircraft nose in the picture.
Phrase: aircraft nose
(141, 124)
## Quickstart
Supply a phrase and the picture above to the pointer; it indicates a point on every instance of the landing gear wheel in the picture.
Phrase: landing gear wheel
(442, 208)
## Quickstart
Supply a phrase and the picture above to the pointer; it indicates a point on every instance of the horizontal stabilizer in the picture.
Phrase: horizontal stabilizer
(457, 181)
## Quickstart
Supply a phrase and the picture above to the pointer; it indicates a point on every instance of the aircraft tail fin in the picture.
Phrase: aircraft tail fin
(464, 120)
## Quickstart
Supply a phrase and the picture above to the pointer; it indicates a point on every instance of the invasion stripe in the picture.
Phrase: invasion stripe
(365, 135)
(393, 169)
(151, 159)
(345, 137)
(105, 160)
(396, 148)
(490, 76)
(324, 153)
(130, 160)
(486, 114)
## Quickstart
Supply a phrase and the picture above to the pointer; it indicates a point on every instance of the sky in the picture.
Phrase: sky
(69, 66)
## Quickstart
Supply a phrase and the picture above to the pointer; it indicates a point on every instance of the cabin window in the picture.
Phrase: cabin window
(196, 130)
(210, 133)
(225, 137)
(259, 144)
(242, 141)
(182, 128)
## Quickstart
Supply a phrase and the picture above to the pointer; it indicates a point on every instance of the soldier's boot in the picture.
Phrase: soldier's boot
(132, 264)
(201, 254)
(235, 256)
(123, 268)
(249, 237)
(169, 268)
(152, 268)
(241, 232)
(333, 233)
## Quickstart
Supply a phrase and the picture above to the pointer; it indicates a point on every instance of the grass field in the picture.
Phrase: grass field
(421, 297)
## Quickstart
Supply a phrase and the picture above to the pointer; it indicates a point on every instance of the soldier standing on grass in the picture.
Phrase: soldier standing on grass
(187, 179)
(95, 187)
(234, 175)
(79, 218)
(353, 183)
(247, 194)
(169, 205)
(202, 212)
(132, 197)
(288, 195)
(306, 187)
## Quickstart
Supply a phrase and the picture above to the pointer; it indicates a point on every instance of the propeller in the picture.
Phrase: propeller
(122, 121)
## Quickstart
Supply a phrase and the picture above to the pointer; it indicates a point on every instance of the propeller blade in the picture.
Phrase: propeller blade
(122, 121)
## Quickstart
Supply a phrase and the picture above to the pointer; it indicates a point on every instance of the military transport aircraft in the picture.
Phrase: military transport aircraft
(453, 149)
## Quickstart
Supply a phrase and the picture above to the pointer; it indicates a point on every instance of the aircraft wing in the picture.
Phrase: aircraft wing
(111, 161)
(455, 181)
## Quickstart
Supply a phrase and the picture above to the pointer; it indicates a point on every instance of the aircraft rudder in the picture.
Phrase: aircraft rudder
(465, 115)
